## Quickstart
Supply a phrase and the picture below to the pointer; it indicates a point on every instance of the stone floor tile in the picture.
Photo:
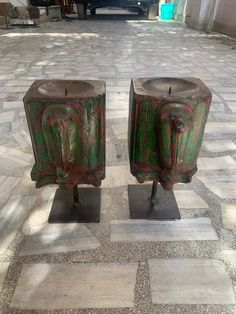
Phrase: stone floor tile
(61, 286)
(116, 152)
(227, 96)
(18, 82)
(39, 216)
(11, 166)
(190, 281)
(23, 139)
(223, 186)
(7, 184)
(118, 114)
(231, 256)
(224, 162)
(217, 107)
(217, 146)
(179, 230)
(189, 199)
(229, 216)
(13, 104)
(232, 106)
(225, 117)
(220, 127)
(118, 176)
(55, 238)
(13, 215)
(3, 271)
(120, 130)
(7, 116)
(24, 158)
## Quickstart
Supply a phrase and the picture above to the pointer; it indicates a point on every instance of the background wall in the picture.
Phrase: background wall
(217, 15)
(225, 17)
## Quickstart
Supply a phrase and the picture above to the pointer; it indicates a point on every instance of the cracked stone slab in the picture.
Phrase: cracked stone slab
(223, 186)
(12, 216)
(225, 162)
(189, 199)
(179, 230)
(55, 238)
(231, 256)
(62, 286)
(190, 281)
(3, 271)
(217, 146)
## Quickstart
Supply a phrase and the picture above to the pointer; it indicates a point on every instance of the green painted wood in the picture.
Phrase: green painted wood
(67, 126)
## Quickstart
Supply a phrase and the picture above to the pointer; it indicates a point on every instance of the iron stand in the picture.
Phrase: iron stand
(144, 206)
(81, 205)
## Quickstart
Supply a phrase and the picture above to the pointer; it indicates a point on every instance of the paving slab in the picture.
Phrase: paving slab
(24, 158)
(229, 216)
(121, 130)
(195, 229)
(225, 117)
(232, 106)
(56, 238)
(23, 139)
(13, 104)
(190, 281)
(118, 176)
(62, 286)
(217, 107)
(189, 199)
(224, 162)
(3, 271)
(7, 116)
(220, 127)
(218, 146)
(231, 256)
(7, 184)
(223, 186)
(13, 215)
(12, 166)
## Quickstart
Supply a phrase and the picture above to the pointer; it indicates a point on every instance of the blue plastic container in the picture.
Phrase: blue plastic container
(167, 11)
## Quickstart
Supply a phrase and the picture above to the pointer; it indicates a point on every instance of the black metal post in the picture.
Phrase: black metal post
(154, 191)
(76, 194)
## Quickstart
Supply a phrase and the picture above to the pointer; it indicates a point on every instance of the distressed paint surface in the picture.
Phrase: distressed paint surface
(166, 128)
(67, 126)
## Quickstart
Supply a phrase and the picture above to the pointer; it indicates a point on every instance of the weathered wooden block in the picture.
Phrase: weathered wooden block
(166, 127)
(67, 126)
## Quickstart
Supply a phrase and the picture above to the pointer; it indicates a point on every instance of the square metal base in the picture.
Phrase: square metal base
(65, 210)
(141, 207)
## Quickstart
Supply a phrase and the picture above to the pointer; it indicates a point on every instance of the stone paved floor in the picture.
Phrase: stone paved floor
(113, 268)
